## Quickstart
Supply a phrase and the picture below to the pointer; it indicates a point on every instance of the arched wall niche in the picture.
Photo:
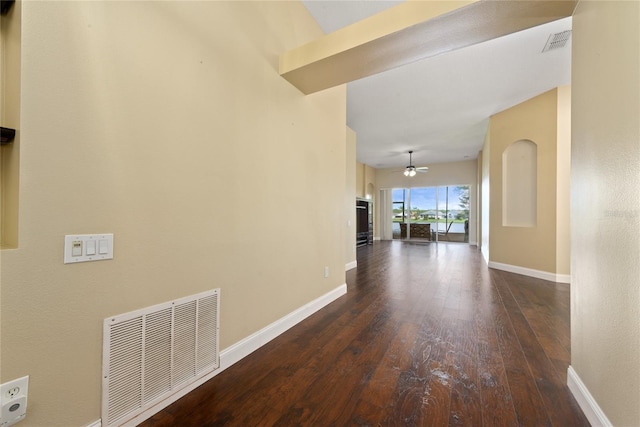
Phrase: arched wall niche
(369, 194)
(519, 184)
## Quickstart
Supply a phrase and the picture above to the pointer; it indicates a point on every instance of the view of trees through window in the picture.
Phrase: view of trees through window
(445, 208)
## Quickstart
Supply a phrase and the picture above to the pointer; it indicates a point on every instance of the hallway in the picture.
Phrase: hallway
(426, 336)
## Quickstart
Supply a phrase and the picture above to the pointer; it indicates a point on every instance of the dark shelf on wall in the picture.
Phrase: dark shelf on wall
(364, 221)
(5, 5)
(7, 135)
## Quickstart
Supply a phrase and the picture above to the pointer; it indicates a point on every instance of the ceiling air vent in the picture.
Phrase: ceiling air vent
(557, 40)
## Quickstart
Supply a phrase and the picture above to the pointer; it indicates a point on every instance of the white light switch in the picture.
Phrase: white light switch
(91, 247)
(87, 247)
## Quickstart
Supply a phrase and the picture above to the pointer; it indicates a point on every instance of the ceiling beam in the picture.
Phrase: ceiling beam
(409, 32)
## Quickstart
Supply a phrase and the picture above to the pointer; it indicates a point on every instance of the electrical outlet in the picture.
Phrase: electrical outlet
(12, 392)
(13, 401)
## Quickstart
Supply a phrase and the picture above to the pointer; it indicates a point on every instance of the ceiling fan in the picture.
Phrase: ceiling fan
(411, 170)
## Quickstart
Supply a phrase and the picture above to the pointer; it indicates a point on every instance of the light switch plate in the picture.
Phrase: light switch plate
(104, 243)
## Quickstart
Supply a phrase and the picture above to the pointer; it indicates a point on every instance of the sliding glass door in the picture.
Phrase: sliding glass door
(453, 213)
(431, 213)
(398, 211)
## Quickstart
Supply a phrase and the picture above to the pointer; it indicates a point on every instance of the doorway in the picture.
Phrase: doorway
(431, 214)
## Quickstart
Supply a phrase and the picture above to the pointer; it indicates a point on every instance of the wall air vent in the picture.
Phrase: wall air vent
(557, 40)
(152, 353)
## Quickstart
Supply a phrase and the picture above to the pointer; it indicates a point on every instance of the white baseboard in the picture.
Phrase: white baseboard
(376, 238)
(544, 275)
(350, 265)
(237, 351)
(473, 243)
(243, 348)
(587, 403)
(485, 254)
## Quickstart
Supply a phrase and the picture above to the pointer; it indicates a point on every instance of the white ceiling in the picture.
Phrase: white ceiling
(440, 107)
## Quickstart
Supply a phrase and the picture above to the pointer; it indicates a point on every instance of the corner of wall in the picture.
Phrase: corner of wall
(585, 400)
(563, 182)
(350, 197)
(485, 199)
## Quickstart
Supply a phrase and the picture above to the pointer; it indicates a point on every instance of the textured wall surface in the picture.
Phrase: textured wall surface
(350, 197)
(605, 206)
(529, 247)
(167, 124)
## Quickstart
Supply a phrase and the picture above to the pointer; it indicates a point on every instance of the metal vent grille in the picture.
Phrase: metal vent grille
(151, 353)
(184, 343)
(207, 350)
(557, 40)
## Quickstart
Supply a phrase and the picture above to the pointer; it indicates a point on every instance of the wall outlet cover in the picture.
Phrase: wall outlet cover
(13, 401)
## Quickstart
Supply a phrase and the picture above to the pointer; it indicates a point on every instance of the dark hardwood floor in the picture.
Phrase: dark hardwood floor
(426, 336)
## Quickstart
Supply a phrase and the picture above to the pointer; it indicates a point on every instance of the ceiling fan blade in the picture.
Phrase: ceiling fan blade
(422, 169)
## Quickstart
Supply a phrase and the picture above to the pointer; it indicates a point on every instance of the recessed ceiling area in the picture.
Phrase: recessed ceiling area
(439, 107)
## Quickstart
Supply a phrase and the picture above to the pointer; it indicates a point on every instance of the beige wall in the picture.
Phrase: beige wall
(167, 124)
(10, 25)
(360, 183)
(370, 191)
(455, 173)
(366, 189)
(365, 180)
(605, 206)
(350, 197)
(528, 247)
(10, 117)
(485, 193)
(369, 182)
(563, 182)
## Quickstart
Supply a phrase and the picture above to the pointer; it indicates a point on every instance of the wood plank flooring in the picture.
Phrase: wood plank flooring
(426, 336)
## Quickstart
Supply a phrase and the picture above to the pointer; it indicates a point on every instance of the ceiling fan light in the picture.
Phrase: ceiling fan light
(412, 173)
(406, 172)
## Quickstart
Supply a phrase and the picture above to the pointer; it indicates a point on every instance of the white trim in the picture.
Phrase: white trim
(243, 348)
(587, 403)
(351, 265)
(95, 424)
(544, 275)
(473, 243)
(376, 238)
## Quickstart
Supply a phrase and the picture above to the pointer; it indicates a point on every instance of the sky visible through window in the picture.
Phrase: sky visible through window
(425, 198)
(450, 214)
